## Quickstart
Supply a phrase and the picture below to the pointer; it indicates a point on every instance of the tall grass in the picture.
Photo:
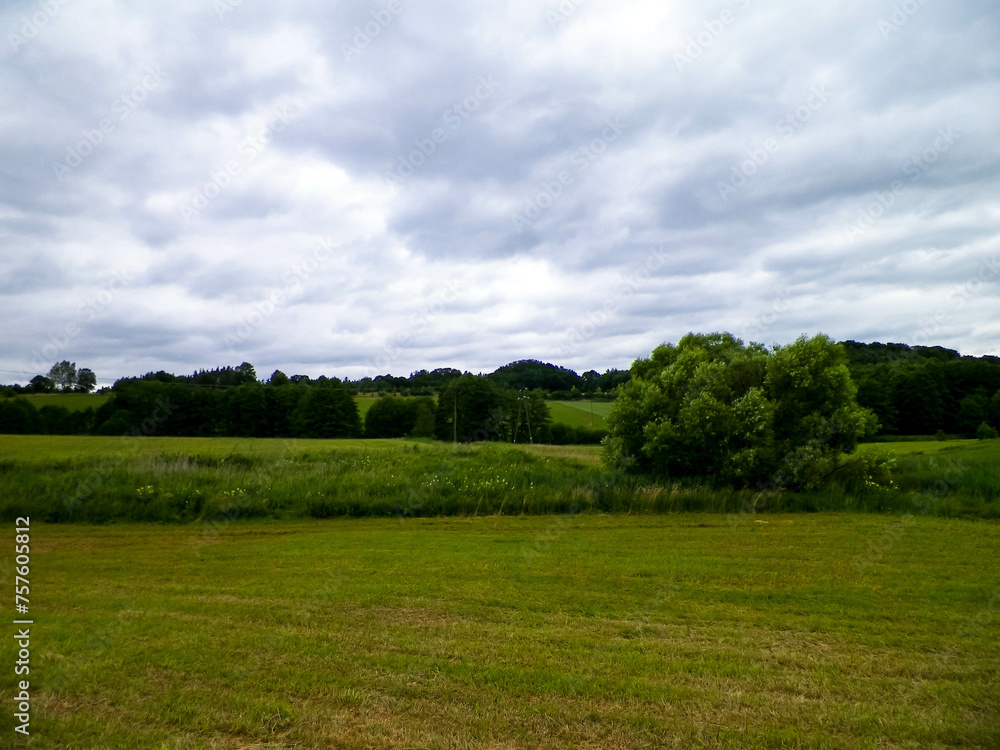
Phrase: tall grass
(179, 480)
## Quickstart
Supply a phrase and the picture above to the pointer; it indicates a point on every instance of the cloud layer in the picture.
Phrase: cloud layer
(352, 189)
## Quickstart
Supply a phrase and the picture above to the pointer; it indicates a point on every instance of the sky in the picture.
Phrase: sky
(361, 188)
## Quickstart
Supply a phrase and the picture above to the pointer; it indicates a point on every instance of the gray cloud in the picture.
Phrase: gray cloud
(773, 156)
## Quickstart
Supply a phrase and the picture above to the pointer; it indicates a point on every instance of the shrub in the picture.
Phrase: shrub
(740, 415)
(986, 432)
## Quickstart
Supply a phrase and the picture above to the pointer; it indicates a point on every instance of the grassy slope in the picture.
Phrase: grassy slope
(929, 446)
(572, 413)
(806, 631)
(364, 404)
(578, 413)
(70, 401)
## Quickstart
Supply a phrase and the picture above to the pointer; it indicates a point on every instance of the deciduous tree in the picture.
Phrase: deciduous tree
(739, 414)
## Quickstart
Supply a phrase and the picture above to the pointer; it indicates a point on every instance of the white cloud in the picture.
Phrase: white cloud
(771, 259)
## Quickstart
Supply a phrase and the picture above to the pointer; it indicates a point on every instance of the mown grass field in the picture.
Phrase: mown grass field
(589, 414)
(364, 404)
(571, 413)
(586, 631)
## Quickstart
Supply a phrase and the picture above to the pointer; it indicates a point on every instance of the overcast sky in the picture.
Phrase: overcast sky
(352, 188)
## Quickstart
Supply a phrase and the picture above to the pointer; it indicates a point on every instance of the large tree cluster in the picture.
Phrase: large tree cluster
(739, 414)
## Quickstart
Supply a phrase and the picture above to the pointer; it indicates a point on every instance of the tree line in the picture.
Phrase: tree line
(232, 402)
(911, 390)
(557, 383)
(925, 390)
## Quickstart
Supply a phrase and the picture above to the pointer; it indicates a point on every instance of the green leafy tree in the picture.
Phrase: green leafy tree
(466, 410)
(245, 409)
(86, 380)
(42, 384)
(63, 374)
(738, 414)
(19, 417)
(531, 374)
(245, 373)
(919, 398)
(423, 423)
(395, 417)
(972, 411)
(994, 409)
(986, 432)
(278, 378)
(327, 411)
(531, 418)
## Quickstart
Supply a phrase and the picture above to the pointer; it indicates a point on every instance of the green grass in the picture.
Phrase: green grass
(805, 631)
(572, 413)
(364, 404)
(69, 401)
(910, 447)
(960, 477)
(182, 480)
(578, 413)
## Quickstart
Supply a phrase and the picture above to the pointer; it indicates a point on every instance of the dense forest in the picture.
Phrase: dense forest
(912, 390)
(925, 390)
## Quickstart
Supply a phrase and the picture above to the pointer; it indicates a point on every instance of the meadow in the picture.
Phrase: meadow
(69, 401)
(183, 480)
(588, 414)
(583, 631)
(403, 593)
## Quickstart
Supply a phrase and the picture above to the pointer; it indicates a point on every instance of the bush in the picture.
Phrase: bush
(986, 432)
(739, 415)
(395, 417)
